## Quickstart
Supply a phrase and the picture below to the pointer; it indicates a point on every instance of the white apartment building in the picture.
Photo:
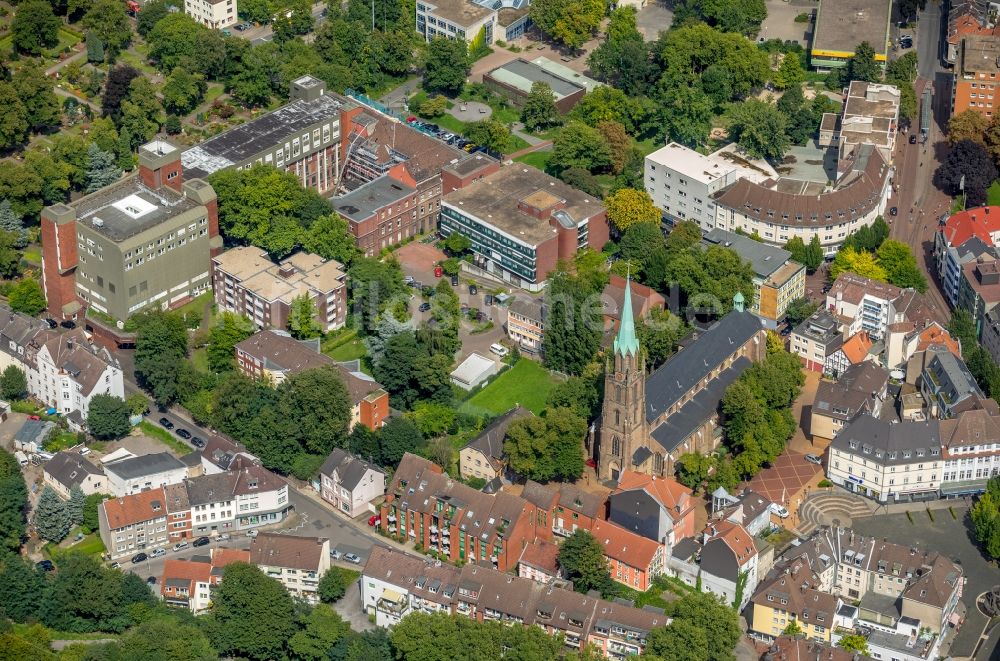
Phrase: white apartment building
(887, 461)
(246, 496)
(350, 484)
(144, 472)
(970, 446)
(69, 371)
(682, 182)
(216, 14)
(298, 563)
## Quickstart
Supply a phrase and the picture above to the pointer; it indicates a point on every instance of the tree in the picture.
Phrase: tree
(546, 448)
(759, 129)
(570, 22)
(397, 437)
(102, 169)
(628, 207)
(581, 557)
(27, 296)
(52, 517)
(108, 417)
(967, 162)
(323, 628)
(447, 66)
(34, 27)
(77, 501)
(659, 334)
(90, 516)
(985, 515)
(963, 328)
(581, 146)
(107, 18)
(799, 310)
(302, 318)
(330, 237)
(743, 16)
(900, 265)
(183, 91)
(13, 502)
(490, 133)
(151, 14)
(252, 615)
(681, 641)
(95, 48)
(456, 243)
(862, 65)
(693, 469)
(333, 586)
(230, 330)
(539, 109)
(10, 255)
(573, 330)
(793, 629)
(22, 588)
(861, 262)
(967, 125)
(13, 383)
(140, 112)
(854, 643)
(13, 120)
(160, 349)
(790, 73)
(116, 90)
(814, 251)
(34, 89)
(317, 400)
(162, 638)
(719, 621)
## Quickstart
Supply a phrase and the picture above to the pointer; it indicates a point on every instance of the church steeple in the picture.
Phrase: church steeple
(626, 341)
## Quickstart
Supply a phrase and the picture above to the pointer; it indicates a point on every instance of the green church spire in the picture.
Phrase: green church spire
(626, 342)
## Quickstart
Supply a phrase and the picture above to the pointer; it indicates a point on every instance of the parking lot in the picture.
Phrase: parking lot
(780, 22)
(445, 135)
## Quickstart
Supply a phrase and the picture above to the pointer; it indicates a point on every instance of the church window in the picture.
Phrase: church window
(618, 417)
(616, 447)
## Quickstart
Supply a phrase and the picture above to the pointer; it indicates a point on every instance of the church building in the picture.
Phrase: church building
(649, 421)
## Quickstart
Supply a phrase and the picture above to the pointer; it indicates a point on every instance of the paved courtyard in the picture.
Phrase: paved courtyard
(470, 111)
(953, 538)
(780, 22)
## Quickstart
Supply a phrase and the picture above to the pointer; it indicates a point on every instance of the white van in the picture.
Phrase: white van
(22, 458)
(499, 350)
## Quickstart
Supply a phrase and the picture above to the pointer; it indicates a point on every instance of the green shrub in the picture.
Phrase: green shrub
(802, 18)
(824, 483)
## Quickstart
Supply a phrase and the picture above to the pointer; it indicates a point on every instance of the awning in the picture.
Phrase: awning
(392, 595)
(964, 487)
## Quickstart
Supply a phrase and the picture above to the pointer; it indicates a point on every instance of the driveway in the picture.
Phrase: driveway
(653, 19)
(350, 608)
(954, 538)
(802, 411)
(780, 22)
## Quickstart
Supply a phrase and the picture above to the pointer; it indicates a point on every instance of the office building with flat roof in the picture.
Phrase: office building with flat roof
(515, 78)
(843, 24)
(247, 282)
(974, 81)
(465, 19)
(521, 222)
(143, 241)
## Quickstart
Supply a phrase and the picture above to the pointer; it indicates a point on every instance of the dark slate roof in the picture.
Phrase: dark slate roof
(490, 441)
(685, 548)
(363, 202)
(640, 456)
(34, 431)
(851, 393)
(676, 377)
(702, 406)
(764, 259)
(69, 468)
(349, 468)
(146, 464)
(890, 439)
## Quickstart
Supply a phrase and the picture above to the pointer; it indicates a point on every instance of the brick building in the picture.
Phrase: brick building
(974, 81)
(145, 240)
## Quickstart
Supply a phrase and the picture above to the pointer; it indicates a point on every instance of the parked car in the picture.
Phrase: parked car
(424, 307)
(913, 138)
(180, 545)
(115, 565)
(166, 423)
(51, 322)
(252, 533)
(335, 554)
(151, 580)
(814, 459)
(373, 520)
(894, 211)
(224, 537)
(473, 290)
(157, 553)
(69, 324)
(201, 541)
(183, 433)
(45, 565)
(198, 441)
(139, 557)
(779, 510)
(499, 350)
(352, 558)
(454, 281)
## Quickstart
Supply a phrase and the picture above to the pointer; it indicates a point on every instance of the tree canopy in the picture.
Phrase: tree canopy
(108, 417)
(581, 557)
(547, 448)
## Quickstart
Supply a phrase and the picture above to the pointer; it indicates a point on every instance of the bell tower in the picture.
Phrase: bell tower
(623, 420)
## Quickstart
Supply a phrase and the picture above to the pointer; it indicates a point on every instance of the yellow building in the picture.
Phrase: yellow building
(784, 599)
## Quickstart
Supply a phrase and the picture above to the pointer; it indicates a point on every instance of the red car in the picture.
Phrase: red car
(411, 119)
(373, 520)
(33, 417)
(438, 271)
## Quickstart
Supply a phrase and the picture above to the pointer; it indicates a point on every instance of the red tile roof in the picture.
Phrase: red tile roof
(135, 508)
(624, 545)
(857, 347)
(670, 493)
(735, 536)
(933, 335)
(222, 557)
(981, 222)
(541, 555)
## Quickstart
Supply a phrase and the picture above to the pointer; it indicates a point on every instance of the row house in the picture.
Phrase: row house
(729, 562)
(634, 560)
(69, 469)
(425, 506)
(862, 388)
(134, 523)
(350, 484)
(189, 583)
(564, 507)
(394, 584)
(298, 563)
(970, 452)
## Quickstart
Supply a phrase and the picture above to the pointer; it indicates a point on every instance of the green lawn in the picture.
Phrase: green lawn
(199, 357)
(165, 437)
(136, 60)
(89, 545)
(32, 254)
(527, 384)
(214, 92)
(536, 159)
(993, 194)
(352, 350)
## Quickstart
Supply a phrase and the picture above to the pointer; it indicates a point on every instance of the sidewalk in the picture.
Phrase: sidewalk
(902, 508)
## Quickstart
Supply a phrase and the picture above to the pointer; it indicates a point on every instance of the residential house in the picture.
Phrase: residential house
(576, 509)
(887, 460)
(933, 335)
(144, 472)
(483, 457)
(790, 594)
(967, 17)
(649, 421)
(990, 334)
(854, 351)
(861, 388)
(962, 239)
(540, 562)
(296, 562)
(424, 505)
(948, 386)
(18, 345)
(394, 584)
(729, 562)
(133, 523)
(220, 452)
(179, 506)
(970, 450)
(350, 484)
(275, 355)
(816, 340)
(248, 283)
(658, 508)
(634, 560)
(794, 648)
(246, 496)
(189, 583)
(863, 303)
(69, 469)
(975, 73)
(749, 510)
(777, 281)
(526, 323)
(979, 287)
(70, 371)
(215, 14)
